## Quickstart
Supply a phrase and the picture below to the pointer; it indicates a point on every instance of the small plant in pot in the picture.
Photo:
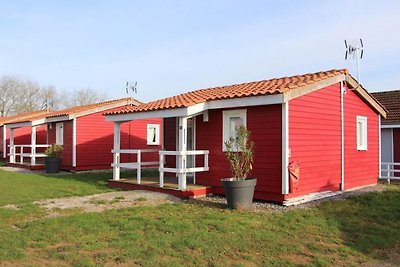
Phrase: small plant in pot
(239, 190)
(53, 159)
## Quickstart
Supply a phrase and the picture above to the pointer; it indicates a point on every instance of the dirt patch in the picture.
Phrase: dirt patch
(106, 201)
(10, 207)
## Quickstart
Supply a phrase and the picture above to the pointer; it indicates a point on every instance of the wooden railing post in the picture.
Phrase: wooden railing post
(139, 167)
(388, 173)
(161, 169)
(21, 158)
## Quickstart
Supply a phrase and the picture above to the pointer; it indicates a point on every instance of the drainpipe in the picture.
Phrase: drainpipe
(342, 92)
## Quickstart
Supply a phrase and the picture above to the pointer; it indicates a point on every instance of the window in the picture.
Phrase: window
(60, 133)
(153, 134)
(231, 120)
(362, 140)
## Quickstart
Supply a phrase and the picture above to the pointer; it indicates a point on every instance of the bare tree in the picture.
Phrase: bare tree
(80, 97)
(20, 96)
(9, 94)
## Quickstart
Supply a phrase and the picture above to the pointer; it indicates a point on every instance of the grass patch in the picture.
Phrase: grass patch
(350, 232)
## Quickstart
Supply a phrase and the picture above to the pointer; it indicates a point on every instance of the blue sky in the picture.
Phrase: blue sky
(170, 47)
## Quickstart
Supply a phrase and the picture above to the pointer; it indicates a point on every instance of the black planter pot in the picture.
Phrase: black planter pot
(239, 194)
(52, 165)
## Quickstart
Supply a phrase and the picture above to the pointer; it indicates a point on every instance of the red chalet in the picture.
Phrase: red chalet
(390, 134)
(21, 135)
(86, 137)
(325, 121)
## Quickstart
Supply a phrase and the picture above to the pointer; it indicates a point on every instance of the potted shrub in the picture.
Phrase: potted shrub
(53, 159)
(239, 190)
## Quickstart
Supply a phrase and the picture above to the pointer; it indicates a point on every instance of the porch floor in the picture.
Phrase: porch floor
(170, 186)
(26, 165)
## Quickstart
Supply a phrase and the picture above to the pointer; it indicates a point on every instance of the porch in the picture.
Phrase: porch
(177, 175)
(170, 186)
(29, 156)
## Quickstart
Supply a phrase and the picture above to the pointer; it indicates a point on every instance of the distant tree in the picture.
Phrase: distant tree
(80, 97)
(19, 96)
(9, 94)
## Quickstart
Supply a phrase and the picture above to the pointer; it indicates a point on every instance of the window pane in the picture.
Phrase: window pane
(234, 123)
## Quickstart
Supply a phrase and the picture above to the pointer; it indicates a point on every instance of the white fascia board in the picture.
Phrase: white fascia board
(97, 109)
(57, 119)
(19, 125)
(306, 89)
(246, 101)
(199, 108)
(164, 113)
(38, 122)
(389, 126)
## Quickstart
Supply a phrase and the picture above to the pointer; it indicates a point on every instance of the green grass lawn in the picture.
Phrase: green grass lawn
(350, 232)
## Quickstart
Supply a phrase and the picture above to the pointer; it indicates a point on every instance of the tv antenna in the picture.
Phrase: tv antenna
(355, 48)
(130, 86)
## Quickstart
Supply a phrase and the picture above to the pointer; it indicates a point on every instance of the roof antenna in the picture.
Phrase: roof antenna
(130, 86)
(355, 48)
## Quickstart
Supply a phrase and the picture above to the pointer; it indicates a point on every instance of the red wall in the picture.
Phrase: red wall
(170, 128)
(315, 140)
(396, 145)
(264, 122)
(361, 167)
(66, 163)
(95, 140)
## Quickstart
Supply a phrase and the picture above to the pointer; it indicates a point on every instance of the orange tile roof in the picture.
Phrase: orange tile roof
(69, 111)
(23, 117)
(65, 112)
(258, 88)
(391, 101)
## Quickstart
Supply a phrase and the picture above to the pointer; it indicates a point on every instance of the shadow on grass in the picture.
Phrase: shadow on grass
(370, 222)
(98, 179)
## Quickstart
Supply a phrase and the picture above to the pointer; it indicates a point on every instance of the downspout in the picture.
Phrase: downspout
(342, 92)
(285, 147)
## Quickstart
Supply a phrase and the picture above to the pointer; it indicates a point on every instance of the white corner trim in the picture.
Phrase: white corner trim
(4, 141)
(342, 176)
(389, 126)
(285, 148)
(380, 145)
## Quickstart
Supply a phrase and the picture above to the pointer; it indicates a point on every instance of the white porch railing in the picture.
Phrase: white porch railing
(18, 150)
(182, 170)
(133, 165)
(388, 171)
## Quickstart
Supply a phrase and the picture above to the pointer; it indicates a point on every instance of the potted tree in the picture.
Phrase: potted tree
(239, 190)
(53, 159)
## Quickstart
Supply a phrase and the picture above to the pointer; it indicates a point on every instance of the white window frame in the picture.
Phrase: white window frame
(226, 116)
(150, 141)
(60, 133)
(362, 141)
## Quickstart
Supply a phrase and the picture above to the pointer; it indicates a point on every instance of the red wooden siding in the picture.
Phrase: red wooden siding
(315, 140)
(1, 140)
(170, 133)
(361, 167)
(396, 145)
(264, 122)
(95, 140)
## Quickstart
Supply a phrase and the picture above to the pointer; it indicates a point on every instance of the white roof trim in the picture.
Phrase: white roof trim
(18, 124)
(389, 126)
(198, 108)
